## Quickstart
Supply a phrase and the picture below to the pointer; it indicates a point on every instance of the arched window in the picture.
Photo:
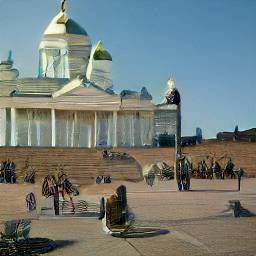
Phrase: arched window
(54, 63)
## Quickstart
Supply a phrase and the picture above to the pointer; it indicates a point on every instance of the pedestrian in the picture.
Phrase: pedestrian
(240, 174)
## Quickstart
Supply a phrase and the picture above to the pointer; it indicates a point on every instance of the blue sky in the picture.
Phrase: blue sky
(209, 46)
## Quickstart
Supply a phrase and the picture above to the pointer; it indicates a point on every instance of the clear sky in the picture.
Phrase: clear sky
(208, 46)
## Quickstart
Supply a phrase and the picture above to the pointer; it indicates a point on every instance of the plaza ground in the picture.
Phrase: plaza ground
(195, 219)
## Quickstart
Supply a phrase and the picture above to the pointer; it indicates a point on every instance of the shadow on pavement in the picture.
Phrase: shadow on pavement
(141, 232)
(214, 190)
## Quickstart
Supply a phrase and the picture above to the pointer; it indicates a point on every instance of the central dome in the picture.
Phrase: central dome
(64, 49)
(68, 26)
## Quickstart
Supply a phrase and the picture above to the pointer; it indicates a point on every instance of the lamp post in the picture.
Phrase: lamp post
(178, 146)
(173, 98)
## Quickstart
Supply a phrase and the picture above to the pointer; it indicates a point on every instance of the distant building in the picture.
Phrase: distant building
(192, 140)
(247, 135)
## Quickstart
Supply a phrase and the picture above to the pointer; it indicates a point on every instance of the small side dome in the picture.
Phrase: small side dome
(99, 70)
(100, 53)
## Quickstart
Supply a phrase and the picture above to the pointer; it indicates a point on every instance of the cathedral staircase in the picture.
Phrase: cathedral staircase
(81, 165)
(84, 165)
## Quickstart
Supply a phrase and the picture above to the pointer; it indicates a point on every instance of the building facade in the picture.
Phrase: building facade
(72, 102)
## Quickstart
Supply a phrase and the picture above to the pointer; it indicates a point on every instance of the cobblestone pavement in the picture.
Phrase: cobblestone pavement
(195, 221)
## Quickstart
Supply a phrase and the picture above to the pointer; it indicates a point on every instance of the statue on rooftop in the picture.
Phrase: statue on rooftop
(172, 95)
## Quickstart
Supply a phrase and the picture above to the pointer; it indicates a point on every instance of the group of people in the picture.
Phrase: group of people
(7, 172)
(214, 170)
(204, 171)
(110, 155)
(160, 170)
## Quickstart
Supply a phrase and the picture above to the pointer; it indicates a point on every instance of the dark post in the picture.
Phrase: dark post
(178, 145)
(56, 201)
(173, 98)
(239, 177)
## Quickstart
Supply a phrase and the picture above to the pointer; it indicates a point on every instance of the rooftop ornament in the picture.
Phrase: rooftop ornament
(63, 19)
(172, 94)
(7, 72)
(9, 61)
(63, 6)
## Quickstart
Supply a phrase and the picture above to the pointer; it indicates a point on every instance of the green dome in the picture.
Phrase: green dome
(100, 53)
(74, 28)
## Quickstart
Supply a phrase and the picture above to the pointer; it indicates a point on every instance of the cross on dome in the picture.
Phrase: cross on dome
(63, 18)
(63, 6)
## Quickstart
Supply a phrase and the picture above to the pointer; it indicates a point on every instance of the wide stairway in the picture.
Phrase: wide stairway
(81, 165)
(243, 154)
(84, 165)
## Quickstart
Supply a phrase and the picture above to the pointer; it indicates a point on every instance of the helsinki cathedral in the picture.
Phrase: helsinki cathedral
(72, 101)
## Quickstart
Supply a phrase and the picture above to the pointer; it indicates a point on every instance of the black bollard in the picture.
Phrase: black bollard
(239, 177)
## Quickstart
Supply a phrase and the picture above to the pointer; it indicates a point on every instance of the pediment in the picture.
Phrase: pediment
(77, 94)
(87, 91)
(77, 88)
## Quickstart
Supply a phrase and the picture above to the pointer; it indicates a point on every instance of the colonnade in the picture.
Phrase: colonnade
(119, 129)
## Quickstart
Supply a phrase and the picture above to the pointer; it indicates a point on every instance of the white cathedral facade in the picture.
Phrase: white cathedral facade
(72, 102)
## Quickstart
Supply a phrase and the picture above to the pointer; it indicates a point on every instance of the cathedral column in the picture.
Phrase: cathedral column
(13, 128)
(133, 131)
(74, 121)
(95, 130)
(115, 129)
(53, 128)
(29, 128)
(38, 133)
(2, 126)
